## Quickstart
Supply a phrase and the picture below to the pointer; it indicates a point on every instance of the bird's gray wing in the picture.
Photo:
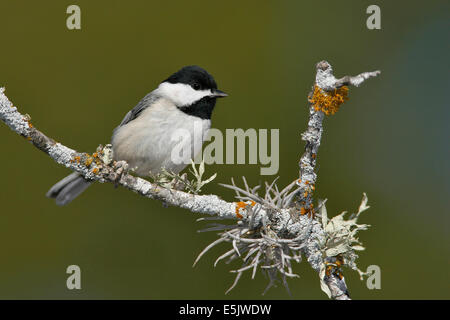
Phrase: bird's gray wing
(146, 102)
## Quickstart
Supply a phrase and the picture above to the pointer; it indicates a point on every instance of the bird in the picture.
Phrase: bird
(149, 133)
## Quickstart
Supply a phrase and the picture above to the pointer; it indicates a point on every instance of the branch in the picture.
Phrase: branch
(271, 230)
(320, 104)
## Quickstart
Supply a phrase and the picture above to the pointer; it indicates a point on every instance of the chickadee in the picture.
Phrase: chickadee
(144, 138)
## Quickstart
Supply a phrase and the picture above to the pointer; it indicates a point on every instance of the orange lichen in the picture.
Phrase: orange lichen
(242, 205)
(328, 102)
(96, 158)
(328, 270)
(305, 194)
(88, 161)
(95, 171)
(27, 118)
(335, 267)
(313, 155)
(304, 210)
(76, 159)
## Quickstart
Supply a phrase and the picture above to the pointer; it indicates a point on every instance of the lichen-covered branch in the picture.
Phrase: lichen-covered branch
(272, 230)
(327, 96)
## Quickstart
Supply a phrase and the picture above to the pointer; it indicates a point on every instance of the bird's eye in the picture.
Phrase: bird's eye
(196, 86)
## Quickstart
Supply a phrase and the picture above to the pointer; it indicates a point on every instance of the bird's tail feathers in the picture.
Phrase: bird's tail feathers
(68, 189)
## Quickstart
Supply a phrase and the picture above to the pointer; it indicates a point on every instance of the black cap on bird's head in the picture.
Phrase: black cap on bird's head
(193, 90)
(198, 78)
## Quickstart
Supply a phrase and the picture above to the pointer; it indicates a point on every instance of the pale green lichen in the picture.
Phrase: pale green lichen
(176, 181)
(107, 154)
(339, 244)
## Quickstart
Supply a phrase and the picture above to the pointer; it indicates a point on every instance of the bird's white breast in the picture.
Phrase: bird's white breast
(147, 143)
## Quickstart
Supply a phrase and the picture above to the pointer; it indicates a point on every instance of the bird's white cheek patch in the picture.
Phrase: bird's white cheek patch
(181, 94)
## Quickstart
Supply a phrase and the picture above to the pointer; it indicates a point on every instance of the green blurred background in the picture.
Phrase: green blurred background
(390, 140)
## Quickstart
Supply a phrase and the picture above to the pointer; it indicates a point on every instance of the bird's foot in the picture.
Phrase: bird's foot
(120, 169)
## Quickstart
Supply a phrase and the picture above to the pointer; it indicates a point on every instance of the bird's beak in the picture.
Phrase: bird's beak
(218, 94)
